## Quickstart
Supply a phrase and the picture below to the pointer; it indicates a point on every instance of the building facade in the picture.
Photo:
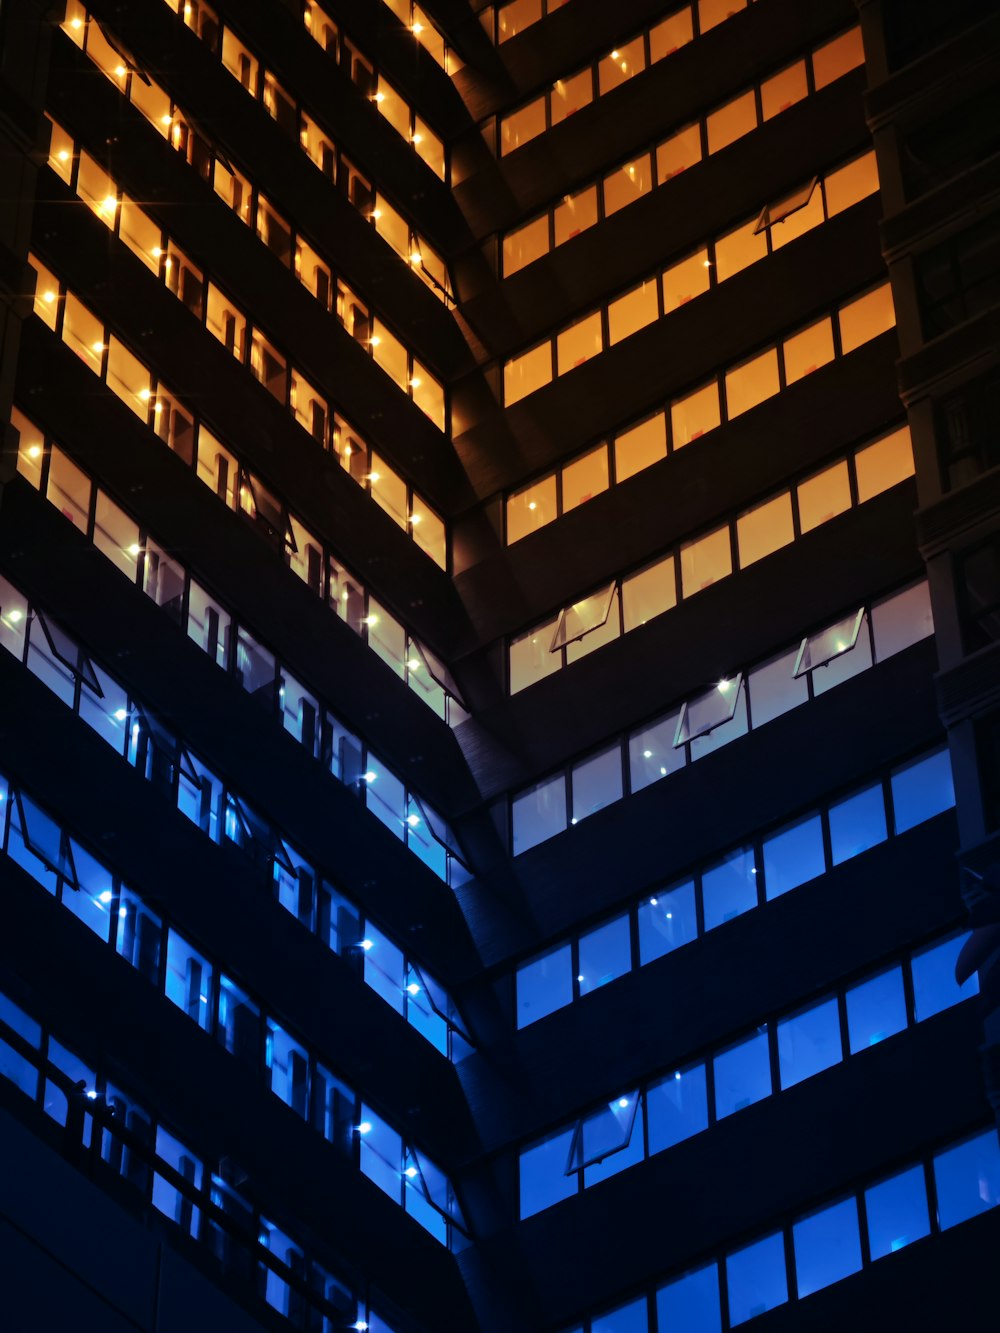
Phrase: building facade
(500, 791)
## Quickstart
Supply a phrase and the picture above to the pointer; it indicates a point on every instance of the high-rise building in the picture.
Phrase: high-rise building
(500, 793)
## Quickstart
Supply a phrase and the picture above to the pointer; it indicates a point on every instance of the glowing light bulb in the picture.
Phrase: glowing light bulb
(415, 383)
(15, 616)
(413, 821)
(105, 897)
(97, 347)
(109, 204)
(623, 1102)
(647, 754)
(413, 665)
(417, 29)
(365, 1127)
(379, 97)
(134, 549)
(34, 451)
(145, 395)
(532, 505)
(121, 71)
(120, 714)
(76, 23)
(413, 989)
(414, 519)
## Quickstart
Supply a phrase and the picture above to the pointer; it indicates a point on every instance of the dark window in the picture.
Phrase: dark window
(979, 593)
(968, 440)
(960, 279)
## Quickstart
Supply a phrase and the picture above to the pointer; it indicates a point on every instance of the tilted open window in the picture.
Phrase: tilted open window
(817, 650)
(603, 1132)
(709, 710)
(67, 651)
(771, 214)
(582, 617)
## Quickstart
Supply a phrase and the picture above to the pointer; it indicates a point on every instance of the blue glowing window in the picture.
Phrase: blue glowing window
(544, 985)
(729, 888)
(666, 921)
(742, 1075)
(629, 1318)
(809, 1042)
(876, 1009)
(756, 1278)
(934, 984)
(857, 824)
(897, 1212)
(605, 953)
(543, 1174)
(921, 790)
(793, 856)
(691, 1303)
(827, 1246)
(967, 1179)
(677, 1107)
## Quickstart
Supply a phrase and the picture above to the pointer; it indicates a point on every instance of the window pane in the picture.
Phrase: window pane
(517, 16)
(730, 888)
(633, 311)
(667, 37)
(690, 1304)
(804, 352)
(116, 536)
(666, 921)
(857, 823)
(597, 782)
(850, 183)
(527, 372)
(756, 1278)
(934, 986)
(731, 122)
(189, 980)
(876, 1009)
(705, 561)
(827, 1246)
(652, 754)
(883, 464)
(837, 57)
(824, 496)
(713, 12)
(526, 244)
(579, 343)
(692, 416)
(752, 382)
(539, 813)
(83, 332)
(141, 234)
(738, 249)
(742, 1075)
(531, 508)
(569, 95)
(866, 318)
(795, 215)
(68, 489)
(602, 1134)
(844, 663)
(628, 183)
(897, 1212)
(685, 280)
(543, 1174)
(680, 151)
(544, 985)
(774, 689)
(922, 789)
(530, 658)
(585, 478)
(967, 1179)
(809, 1042)
(783, 90)
(575, 213)
(605, 954)
(901, 619)
(794, 856)
(765, 529)
(128, 378)
(649, 593)
(640, 447)
(676, 1108)
(629, 1318)
(703, 741)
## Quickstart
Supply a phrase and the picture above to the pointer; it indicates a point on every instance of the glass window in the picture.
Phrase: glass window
(30, 448)
(627, 183)
(515, 17)
(139, 934)
(901, 619)
(742, 1074)
(255, 668)
(676, 1107)
(738, 249)
(289, 1069)
(731, 121)
(793, 215)
(141, 234)
(539, 813)
(680, 151)
(934, 986)
(756, 1277)
(68, 489)
(525, 245)
(575, 213)
(682, 282)
(897, 1212)
(851, 183)
(166, 1197)
(543, 1175)
(189, 980)
(823, 496)
(666, 921)
(605, 954)
(729, 888)
(96, 188)
(569, 95)
(693, 415)
(544, 985)
(392, 106)
(60, 151)
(83, 332)
(238, 60)
(526, 373)
(208, 625)
(584, 478)
(116, 536)
(783, 90)
(883, 464)
(711, 711)
(876, 1009)
(13, 618)
(705, 561)
(649, 593)
(428, 394)
(621, 64)
(866, 318)
(794, 856)
(428, 531)
(225, 322)
(967, 1179)
(837, 57)
(806, 351)
(640, 447)
(633, 311)
(233, 189)
(765, 529)
(651, 752)
(390, 354)
(857, 823)
(128, 378)
(827, 1246)
(922, 789)
(385, 796)
(750, 383)
(381, 1157)
(835, 664)
(579, 343)
(597, 782)
(92, 900)
(610, 1139)
(774, 689)
(809, 1042)
(239, 1023)
(629, 1318)
(518, 128)
(670, 35)
(275, 232)
(690, 1304)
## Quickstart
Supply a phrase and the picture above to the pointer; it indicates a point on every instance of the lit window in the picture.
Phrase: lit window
(667, 920)
(628, 183)
(226, 323)
(817, 650)
(836, 58)
(751, 383)
(793, 856)
(531, 508)
(738, 249)
(850, 183)
(621, 64)
(238, 60)
(60, 151)
(579, 343)
(649, 593)
(809, 1042)
(128, 378)
(922, 789)
(707, 711)
(691, 1302)
(683, 281)
(569, 95)
(597, 782)
(731, 122)
(525, 245)
(897, 1212)
(526, 373)
(705, 561)
(756, 1278)
(633, 311)
(30, 449)
(742, 1075)
(582, 617)
(806, 351)
(729, 888)
(584, 478)
(934, 985)
(604, 954)
(764, 529)
(967, 1179)
(669, 36)
(857, 823)
(713, 12)
(188, 981)
(544, 985)
(518, 128)
(884, 464)
(539, 813)
(640, 447)
(544, 1176)
(783, 90)
(651, 752)
(693, 415)
(116, 536)
(827, 1246)
(83, 333)
(575, 213)
(680, 151)
(68, 489)
(141, 234)
(517, 16)
(876, 1009)
(803, 207)
(901, 619)
(774, 689)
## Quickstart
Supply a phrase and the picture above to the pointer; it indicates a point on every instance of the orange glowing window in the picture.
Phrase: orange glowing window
(584, 478)
(579, 343)
(695, 414)
(640, 447)
(686, 280)
(680, 151)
